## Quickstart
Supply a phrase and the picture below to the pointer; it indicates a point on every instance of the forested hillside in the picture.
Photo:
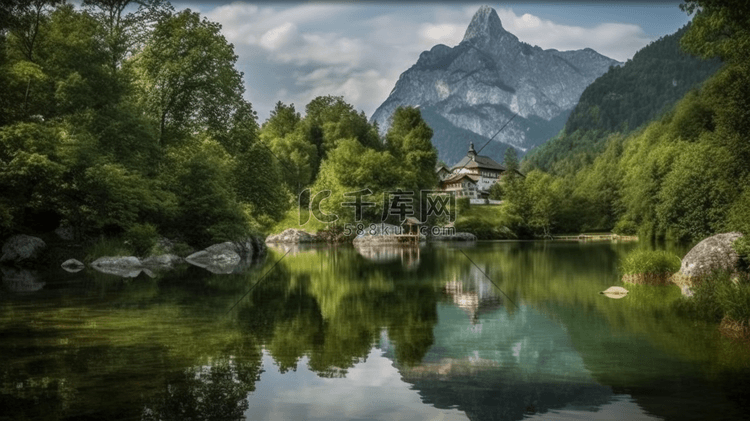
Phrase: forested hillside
(122, 116)
(684, 176)
(622, 100)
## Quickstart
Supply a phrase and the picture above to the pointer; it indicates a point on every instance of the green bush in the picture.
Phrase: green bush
(625, 227)
(719, 297)
(142, 238)
(107, 247)
(462, 204)
(650, 262)
(742, 247)
(182, 249)
(734, 299)
(487, 223)
(704, 304)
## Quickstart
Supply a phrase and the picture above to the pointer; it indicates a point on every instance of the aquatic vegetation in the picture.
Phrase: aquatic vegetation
(649, 267)
(723, 298)
(112, 246)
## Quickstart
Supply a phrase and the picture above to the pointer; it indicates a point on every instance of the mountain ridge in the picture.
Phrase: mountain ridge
(479, 84)
(622, 100)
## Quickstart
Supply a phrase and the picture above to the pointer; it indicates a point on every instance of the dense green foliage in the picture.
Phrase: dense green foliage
(486, 222)
(355, 164)
(742, 247)
(684, 176)
(125, 114)
(718, 298)
(623, 99)
(142, 238)
(649, 262)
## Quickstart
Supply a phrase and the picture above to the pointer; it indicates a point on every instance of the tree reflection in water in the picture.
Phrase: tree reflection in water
(93, 346)
(217, 391)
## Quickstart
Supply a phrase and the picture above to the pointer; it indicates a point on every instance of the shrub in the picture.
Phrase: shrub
(742, 247)
(649, 267)
(462, 204)
(182, 249)
(625, 227)
(704, 304)
(720, 297)
(487, 223)
(107, 247)
(142, 238)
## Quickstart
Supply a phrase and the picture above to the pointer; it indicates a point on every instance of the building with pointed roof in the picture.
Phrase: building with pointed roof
(472, 176)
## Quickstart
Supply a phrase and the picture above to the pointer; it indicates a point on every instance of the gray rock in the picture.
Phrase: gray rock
(22, 248)
(714, 254)
(21, 280)
(65, 232)
(475, 87)
(218, 258)
(244, 248)
(165, 244)
(291, 236)
(123, 266)
(163, 261)
(72, 265)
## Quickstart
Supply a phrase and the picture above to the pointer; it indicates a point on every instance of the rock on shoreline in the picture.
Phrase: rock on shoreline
(292, 236)
(714, 254)
(22, 249)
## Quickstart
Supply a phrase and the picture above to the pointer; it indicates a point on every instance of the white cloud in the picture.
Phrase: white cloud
(616, 40)
(278, 37)
(445, 33)
(293, 53)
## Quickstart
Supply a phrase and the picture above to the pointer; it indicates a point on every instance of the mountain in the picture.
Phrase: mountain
(623, 99)
(469, 91)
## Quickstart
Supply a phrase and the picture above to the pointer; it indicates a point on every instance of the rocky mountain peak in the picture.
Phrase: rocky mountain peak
(466, 92)
(485, 24)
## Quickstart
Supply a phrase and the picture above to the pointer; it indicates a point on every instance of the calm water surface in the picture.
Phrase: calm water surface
(493, 331)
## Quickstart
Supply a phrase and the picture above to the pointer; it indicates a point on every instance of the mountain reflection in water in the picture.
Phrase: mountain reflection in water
(341, 333)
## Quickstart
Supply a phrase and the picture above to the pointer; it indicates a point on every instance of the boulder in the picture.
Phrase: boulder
(292, 236)
(22, 248)
(21, 280)
(165, 244)
(714, 254)
(72, 265)
(162, 261)
(65, 232)
(615, 292)
(218, 258)
(230, 256)
(123, 266)
(244, 248)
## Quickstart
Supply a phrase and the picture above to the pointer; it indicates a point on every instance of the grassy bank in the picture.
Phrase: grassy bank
(487, 222)
(721, 298)
(649, 267)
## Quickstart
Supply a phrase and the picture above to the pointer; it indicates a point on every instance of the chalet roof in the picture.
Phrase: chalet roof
(456, 177)
(479, 161)
(410, 220)
(439, 167)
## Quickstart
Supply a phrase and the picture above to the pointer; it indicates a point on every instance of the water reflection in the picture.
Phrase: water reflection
(406, 254)
(338, 333)
(20, 280)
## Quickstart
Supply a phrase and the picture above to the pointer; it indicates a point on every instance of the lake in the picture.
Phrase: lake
(487, 331)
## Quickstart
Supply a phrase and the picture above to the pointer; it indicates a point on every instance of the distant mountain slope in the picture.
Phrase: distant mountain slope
(623, 99)
(479, 84)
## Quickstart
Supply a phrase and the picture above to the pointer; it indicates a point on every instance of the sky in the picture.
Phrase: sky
(294, 52)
